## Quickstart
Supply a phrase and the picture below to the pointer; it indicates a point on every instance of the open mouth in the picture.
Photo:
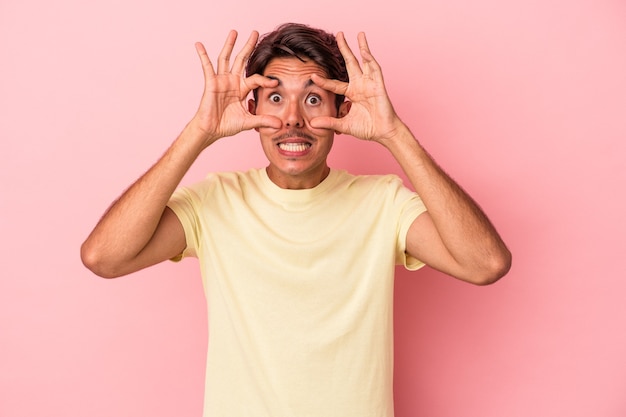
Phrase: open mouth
(294, 146)
(294, 142)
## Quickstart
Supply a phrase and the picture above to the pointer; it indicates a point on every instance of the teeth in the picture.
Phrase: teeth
(294, 147)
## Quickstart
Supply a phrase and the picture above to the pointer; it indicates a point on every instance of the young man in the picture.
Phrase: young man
(297, 258)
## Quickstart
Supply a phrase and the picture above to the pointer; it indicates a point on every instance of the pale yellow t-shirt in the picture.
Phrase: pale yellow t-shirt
(299, 286)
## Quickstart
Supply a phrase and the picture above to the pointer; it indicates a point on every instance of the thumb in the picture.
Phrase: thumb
(327, 122)
(338, 124)
(264, 121)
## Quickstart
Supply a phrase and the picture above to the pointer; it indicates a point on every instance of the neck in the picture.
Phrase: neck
(297, 182)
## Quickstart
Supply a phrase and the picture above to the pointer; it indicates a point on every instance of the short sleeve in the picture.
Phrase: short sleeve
(411, 206)
(184, 203)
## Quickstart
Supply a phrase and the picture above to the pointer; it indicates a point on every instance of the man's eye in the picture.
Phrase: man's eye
(313, 100)
(275, 98)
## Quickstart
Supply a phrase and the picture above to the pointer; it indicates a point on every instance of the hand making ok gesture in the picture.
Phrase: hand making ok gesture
(371, 115)
(223, 108)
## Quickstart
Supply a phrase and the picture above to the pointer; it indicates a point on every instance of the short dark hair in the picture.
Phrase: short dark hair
(303, 42)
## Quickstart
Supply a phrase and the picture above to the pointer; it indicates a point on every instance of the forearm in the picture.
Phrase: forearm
(130, 222)
(467, 234)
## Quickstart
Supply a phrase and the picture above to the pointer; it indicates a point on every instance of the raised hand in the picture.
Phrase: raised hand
(371, 115)
(223, 108)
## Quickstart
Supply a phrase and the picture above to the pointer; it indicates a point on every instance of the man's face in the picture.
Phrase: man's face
(296, 152)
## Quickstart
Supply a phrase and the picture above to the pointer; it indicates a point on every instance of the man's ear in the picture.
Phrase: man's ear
(252, 106)
(344, 108)
(252, 109)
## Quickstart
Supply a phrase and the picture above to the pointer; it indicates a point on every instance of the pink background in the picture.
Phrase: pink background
(523, 101)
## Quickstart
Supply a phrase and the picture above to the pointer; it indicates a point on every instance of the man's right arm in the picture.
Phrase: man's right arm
(138, 230)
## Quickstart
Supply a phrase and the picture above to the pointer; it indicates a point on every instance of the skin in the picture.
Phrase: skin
(454, 236)
(296, 100)
(296, 119)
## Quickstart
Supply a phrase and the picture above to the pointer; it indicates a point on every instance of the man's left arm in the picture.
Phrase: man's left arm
(454, 235)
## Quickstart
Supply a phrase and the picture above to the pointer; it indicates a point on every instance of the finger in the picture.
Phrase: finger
(364, 48)
(370, 65)
(257, 80)
(207, 66)
(223, 61)
(263, 121)
(242, 57)
(334, 86)
(326, 122)
(352, 64)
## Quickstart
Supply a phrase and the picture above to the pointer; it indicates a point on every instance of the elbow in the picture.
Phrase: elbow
(496, 267)
(93, 260)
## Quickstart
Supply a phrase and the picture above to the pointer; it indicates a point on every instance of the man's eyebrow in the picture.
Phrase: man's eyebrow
(307, 84)
(271, 77)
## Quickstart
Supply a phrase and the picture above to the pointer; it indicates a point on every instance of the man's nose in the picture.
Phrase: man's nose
(294, 117)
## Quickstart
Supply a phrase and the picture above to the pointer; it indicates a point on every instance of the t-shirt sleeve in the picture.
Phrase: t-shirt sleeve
(411, 206)
(183, 203)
